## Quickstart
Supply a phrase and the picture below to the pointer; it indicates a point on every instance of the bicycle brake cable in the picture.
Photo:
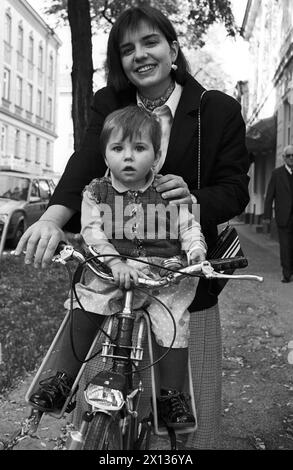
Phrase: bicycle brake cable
(73, 290)
(174, 333)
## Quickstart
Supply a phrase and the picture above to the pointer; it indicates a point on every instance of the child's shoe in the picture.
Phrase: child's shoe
(174, 410)
(52, 392)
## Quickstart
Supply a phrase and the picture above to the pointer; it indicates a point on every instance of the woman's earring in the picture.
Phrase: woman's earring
(174, 67)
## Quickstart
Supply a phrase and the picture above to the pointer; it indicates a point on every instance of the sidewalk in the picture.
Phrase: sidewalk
(257, 324)
(261, 239)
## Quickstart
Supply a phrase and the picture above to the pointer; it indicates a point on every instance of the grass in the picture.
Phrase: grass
(31, 310)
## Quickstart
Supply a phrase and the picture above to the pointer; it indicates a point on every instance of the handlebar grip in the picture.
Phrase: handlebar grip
(60, 247)
(226, 264)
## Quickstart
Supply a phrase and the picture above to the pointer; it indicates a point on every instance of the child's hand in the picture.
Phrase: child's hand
(196, 256)
(125, 275)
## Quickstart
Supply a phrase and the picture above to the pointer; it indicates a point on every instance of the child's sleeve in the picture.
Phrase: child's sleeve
(190, 233)
(92, 227)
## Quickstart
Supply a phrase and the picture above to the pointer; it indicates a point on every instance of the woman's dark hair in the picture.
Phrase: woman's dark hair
(129, 20)
(132, 120)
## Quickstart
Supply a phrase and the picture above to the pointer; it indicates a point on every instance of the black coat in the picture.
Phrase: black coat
(279, 190)
(224, 159)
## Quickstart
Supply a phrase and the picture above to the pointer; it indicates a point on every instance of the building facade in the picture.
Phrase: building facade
(267, 95)
(28, 79)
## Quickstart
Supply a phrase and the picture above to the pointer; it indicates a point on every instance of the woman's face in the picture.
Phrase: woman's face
(146, 58)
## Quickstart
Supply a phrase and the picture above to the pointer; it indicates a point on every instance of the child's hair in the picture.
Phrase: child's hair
(131, 120)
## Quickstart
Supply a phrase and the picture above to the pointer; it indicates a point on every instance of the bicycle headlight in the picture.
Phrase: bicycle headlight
(104, 398)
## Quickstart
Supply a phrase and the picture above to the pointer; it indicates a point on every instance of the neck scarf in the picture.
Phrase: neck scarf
(152, 104)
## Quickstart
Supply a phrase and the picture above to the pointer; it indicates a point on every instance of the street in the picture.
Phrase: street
(257, 323)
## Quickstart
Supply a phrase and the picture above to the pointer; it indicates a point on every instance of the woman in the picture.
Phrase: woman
(146, 66)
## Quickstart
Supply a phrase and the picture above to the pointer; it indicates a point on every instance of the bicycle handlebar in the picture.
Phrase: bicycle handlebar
(208, 269)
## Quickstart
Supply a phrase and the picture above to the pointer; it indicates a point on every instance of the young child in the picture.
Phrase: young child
(116, 219)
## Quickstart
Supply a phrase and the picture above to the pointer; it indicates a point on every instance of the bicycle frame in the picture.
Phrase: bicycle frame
(112, 392)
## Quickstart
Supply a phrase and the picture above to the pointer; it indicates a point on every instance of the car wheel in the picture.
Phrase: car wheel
(13, 242)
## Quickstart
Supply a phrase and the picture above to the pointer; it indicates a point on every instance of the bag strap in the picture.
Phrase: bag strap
(199, 145)
(199, 139)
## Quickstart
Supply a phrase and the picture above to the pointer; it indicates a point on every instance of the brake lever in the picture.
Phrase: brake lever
(66, 254)
(249, 277)
(209, 272)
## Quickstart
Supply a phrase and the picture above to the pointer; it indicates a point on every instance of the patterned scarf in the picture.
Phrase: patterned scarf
(152, 104)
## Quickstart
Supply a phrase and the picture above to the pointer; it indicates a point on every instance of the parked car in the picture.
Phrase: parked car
(23, 199)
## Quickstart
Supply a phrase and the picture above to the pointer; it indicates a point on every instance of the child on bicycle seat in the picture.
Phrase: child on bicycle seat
(123, 215)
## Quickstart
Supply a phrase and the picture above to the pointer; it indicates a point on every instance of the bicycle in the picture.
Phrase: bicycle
(112, 421)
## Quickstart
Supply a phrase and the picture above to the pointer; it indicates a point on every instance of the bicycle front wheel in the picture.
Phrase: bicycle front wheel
(104, 433)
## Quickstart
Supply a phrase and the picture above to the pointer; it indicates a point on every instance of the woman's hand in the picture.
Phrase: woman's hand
(40, 241)
(173, 187)
(196, 256)
(125, 275)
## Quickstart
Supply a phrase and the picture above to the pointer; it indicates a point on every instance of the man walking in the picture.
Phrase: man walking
(280, 190)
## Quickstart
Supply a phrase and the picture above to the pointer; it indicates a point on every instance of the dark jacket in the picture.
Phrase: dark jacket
(224, 159)
(279, 191)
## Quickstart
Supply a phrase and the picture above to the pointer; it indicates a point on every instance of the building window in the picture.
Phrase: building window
(38, 156)
(17, 143)
(28, 148)
(51, 67)
(31, 48)
(39, 103)
(20, 39)
(7, 27)
(19, 91)
(29, 97)
(48, 154)
(3, 139)
(40, 57)
(287, 123)
(50, 110)
(6, 84)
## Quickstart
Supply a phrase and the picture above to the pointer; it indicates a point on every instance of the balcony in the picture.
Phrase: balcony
(49, 125)
(18, 110)
(29, 115)
(39, 120)
(6, 103)
(10, 162)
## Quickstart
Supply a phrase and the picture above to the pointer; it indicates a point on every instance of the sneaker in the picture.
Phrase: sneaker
(174, 410)
(52, 392)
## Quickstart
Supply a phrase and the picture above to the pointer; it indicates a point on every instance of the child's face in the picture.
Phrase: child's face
(130, 161)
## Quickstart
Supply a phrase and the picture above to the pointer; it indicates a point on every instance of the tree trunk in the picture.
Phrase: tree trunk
(82, 67)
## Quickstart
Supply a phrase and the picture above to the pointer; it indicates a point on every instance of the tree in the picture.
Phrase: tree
(82, 65)
(208, 71)
(190, 17)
